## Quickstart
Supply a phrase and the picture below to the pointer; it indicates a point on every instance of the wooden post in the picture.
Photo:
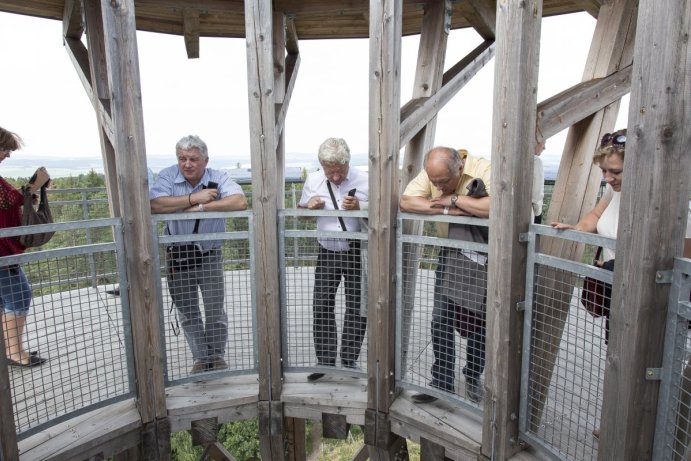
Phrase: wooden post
(654, 205)
(8, 431)
(263, 145)
(384, 110)
(576, 188)
(122, 61)
(428, 79)
(515, 106)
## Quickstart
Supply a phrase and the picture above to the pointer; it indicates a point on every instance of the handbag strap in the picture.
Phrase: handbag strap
(598, 252)
(333, 198)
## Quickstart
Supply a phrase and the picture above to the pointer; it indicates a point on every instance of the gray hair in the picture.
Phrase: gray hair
(334, 151)
(454, 158)
(192, 142)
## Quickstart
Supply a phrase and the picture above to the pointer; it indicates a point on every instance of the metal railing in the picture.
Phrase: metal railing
(673, 426)
(564, 350)
(83, 333)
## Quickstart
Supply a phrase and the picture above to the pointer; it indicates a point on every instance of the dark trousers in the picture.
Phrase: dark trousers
(331, 267)
(446, 318)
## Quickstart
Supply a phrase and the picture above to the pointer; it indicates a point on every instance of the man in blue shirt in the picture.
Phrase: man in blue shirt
(190, 186)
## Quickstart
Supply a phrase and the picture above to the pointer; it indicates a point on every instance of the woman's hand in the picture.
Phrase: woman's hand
(559, 225)
(40, 179)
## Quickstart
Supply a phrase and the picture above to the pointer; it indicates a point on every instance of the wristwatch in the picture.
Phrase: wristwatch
(201, 207)
(446, 210)
(454, 197)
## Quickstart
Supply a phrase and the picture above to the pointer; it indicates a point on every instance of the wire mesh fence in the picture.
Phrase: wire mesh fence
(206, 298)
(323, 280)
(76, 336)
(441, 309)
(565, 348)
(673, 428)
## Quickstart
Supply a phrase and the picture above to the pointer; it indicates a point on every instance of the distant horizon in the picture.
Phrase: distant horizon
(18, 167)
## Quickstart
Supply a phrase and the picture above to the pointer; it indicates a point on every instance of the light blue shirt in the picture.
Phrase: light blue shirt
(171, 183)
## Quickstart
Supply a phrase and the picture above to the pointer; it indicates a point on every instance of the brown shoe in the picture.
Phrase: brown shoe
(596, 432)
(217, 363)
(200, 366)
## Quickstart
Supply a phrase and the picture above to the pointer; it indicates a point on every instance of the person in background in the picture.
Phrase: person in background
(189, 186)
(460, 287)
(538, 183)
(15, 291)
(336, 186)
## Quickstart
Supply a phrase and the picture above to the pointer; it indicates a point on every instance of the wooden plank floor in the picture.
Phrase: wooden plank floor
(81, 333)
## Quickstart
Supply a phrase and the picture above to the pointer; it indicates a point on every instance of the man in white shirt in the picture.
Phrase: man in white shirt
(336, 186)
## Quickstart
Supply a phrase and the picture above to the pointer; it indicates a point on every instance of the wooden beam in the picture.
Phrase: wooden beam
(429, 74)
(292, 66)
(482, 16)
(291, 37)
(362, 454)
(263, 148)
(190, 29)
(515, 105)
(279, 92)
(418, 112)
(72, 25)
(219, 453)
(296, 448)
(430, 451)
(8, 431)
(79, 56)
(120, 40)
(334, 426)
(575, 191)
(652, 220)
(580, 101)
(204, 431)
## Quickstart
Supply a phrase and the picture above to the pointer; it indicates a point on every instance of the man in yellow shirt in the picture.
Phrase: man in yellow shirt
(455, 183)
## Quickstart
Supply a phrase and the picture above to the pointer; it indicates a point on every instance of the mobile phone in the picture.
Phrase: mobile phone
(351, 192)
(212, 185)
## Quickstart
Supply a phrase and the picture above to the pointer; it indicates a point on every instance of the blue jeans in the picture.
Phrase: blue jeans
(15, 291)
(444, 322)
(207, 338)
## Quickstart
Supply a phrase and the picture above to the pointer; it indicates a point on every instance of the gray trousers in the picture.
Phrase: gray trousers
(207, 338)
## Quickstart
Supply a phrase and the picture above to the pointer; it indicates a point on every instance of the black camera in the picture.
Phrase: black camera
(211, 185)
(351, 192)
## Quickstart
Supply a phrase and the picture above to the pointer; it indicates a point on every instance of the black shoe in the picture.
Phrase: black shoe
(314, 377)
(473, 389)
(114, 291)
(423, 398)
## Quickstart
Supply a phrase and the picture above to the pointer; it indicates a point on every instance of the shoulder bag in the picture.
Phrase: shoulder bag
(186, 256)
(32, 216)
(595, 294)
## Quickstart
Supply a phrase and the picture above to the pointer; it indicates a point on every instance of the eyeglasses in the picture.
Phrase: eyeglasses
(615, 140)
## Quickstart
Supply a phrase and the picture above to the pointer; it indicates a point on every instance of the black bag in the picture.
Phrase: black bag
(596, 295)
(184, 257)
(32, 216)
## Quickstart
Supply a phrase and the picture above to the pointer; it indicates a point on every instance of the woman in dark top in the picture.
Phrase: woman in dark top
(15, 291)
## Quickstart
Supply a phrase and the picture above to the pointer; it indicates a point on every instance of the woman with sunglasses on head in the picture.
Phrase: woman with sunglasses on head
(604, 218)
(15, 291)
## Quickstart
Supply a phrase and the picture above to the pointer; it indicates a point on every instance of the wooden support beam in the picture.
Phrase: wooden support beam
(292, 37)
(263, 149)
(482, 15)
(575, 191)
(384, 125)
(292, 64)
(430, 451)
(652, 220)
(296, 448)
(580, 101)
(515, 105)
(72, 26)
(279, 92)
(429, 74)
(362, 454)
(190, 29)
(219, 453)
(79, 56)
(334, 426)
(418, 112)
(204, 431)
(8, 431)
(120, 40)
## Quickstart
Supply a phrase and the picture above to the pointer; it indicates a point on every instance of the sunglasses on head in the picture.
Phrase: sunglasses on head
(615, 140)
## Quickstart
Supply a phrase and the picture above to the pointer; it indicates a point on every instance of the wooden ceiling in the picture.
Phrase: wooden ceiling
(314, 19)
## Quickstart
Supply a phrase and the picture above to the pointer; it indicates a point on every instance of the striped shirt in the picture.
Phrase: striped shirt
(171, 183)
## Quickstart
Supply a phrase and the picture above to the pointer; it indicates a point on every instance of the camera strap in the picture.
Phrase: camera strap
(333, 198)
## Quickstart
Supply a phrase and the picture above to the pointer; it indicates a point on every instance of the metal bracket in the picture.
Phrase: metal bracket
(664, 277)
(520, 306)
(524, 237)
(653, 374)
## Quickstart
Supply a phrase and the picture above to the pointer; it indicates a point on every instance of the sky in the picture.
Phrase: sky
(44, 102)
